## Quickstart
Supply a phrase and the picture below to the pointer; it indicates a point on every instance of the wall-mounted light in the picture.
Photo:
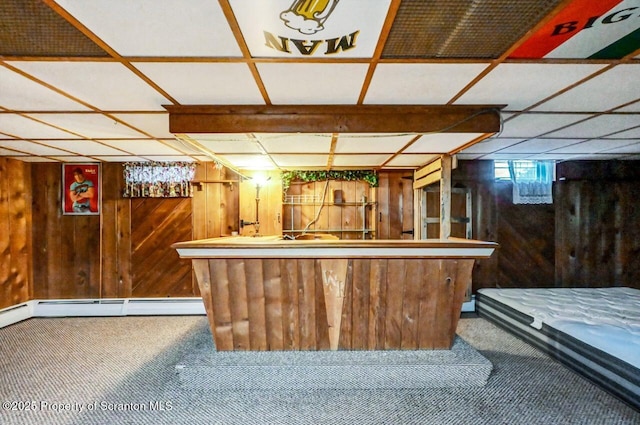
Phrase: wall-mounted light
(260, 180)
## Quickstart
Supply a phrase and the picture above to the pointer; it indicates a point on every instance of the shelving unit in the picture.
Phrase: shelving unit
(363, 209)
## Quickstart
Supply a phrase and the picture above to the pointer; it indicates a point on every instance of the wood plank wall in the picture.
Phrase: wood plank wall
(215, 202)
(16, 281)
(598, 224)
(593, 234)
(526, 234)
(395, 205)
(479, 177)
(66, 248)
(125, 252)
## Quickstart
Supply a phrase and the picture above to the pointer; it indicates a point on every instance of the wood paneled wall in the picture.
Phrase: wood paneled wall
(479, 177)
(15, 232)
(124, 252)
(66, 248)
(215, 202)
(526, 234)
(598, 224)
(590, 237)
(395, 205)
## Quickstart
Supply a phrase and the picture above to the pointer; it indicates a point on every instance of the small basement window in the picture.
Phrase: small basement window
(532, 180)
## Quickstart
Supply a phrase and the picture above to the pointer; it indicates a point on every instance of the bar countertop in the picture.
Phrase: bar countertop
(278, 247)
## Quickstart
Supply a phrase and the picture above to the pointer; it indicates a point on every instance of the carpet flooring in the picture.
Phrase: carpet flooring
(124, 370)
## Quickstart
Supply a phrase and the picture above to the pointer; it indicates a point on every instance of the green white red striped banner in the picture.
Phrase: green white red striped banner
(587, 29)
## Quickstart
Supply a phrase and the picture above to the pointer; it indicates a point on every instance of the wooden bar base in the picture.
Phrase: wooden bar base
(303, 296)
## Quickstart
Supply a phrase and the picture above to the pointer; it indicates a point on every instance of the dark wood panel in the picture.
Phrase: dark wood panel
(157, 270)
(526, 234)
(598, 233)
(116, 234)
(15, 232)
(395, 205)
(67, 257)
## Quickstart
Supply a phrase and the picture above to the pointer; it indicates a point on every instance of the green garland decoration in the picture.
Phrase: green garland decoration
(368, 176)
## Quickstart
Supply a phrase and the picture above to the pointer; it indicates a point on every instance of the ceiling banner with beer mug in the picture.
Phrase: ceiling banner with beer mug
(311, 28)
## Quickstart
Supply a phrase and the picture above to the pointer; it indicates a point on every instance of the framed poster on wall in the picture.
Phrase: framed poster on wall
(81, 185)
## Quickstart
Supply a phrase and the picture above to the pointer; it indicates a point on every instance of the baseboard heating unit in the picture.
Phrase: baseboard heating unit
(102, 307)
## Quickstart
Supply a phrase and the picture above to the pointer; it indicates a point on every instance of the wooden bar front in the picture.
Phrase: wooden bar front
(267, 293)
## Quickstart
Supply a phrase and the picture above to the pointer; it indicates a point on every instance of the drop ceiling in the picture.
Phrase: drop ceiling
(91, 80)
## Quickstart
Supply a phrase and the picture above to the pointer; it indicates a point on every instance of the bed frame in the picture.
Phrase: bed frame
(612, 374)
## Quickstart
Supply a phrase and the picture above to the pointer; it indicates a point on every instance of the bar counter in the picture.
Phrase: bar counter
(269, 293)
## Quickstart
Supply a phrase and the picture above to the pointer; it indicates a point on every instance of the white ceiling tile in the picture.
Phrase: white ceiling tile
(505, 156)
(122, 158)
(141, 147)
(373, 143)
(609, 90)
(33, 159)
(105, 85)
(157, 27)
(204, 83)
(441, 142)
(419, 83)
(22, 94)
(551, 157)
(222, 137)
(25, 128)
(7, 152)
(249, 162)
(596, 157)
(491, 145)
(532, 125)
(359, 160)
(414, 160)
(539, 145)
(203, 159)
(31, 148)
(630, 148)
(468, 156)
(231, 146)
(170, 158)
(295, 142)
(634, 107)
(74, 158)
(592, 146)
(154, 124)
(267, 34)
(633, 133)
(599, 126)
(92, 126)
(506, 85)
(83, 147)
(313, 83)
(283, 160)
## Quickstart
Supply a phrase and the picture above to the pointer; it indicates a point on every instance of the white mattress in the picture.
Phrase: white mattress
(605, 318)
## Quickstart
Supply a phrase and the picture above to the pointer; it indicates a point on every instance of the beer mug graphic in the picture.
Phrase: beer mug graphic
(307, 16)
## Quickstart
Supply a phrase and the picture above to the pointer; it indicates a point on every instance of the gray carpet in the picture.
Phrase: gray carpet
(123, 371)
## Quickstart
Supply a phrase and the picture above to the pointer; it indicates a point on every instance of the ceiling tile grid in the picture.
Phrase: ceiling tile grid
(157, 27)
(89, 80)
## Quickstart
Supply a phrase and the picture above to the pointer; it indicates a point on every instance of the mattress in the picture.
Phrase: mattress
(595, 331)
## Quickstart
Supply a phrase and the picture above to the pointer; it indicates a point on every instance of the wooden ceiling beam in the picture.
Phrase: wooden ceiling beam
(334, 118)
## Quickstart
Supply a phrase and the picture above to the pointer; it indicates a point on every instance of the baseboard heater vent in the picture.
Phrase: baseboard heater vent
(15, 314)
(118, 307)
